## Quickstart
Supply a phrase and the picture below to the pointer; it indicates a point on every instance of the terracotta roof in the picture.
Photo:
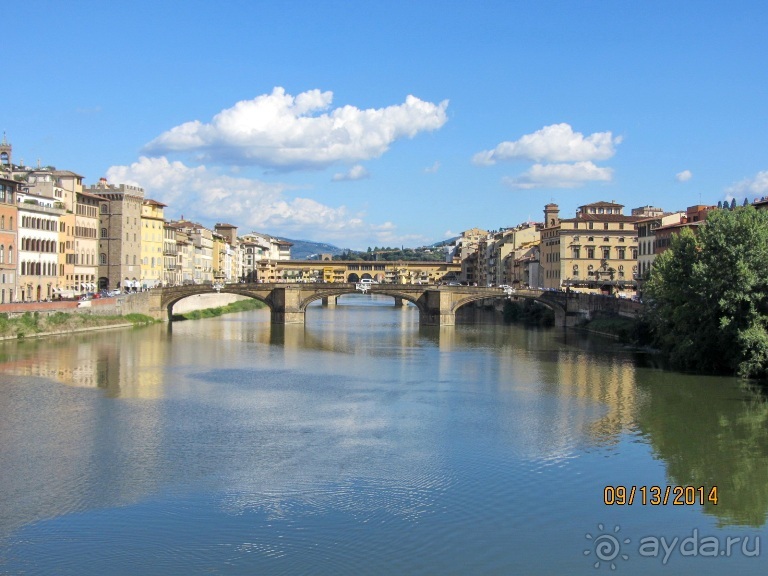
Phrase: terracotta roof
(67, 173)
(602, 203)
(680, 225)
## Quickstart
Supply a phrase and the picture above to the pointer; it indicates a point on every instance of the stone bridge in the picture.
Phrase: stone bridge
(437, 304)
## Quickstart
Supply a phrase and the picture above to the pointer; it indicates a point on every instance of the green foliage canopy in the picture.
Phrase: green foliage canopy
(707, 295)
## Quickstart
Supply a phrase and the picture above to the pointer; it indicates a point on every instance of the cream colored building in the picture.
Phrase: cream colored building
(38, 237)
(506, 244)
(77, 265)
(646, 239)
(594, 252)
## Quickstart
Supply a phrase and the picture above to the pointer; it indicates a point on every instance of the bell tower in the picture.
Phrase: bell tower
(5, 155)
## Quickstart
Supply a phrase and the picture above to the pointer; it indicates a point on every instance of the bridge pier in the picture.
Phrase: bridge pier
(436, 309)
(285, 305)
(329, 302)
(400, 302)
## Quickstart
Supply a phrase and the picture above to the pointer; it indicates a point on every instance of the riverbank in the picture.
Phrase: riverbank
(230, 308)
(37, 325)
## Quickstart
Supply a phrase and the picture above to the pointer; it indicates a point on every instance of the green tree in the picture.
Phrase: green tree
(708, 293)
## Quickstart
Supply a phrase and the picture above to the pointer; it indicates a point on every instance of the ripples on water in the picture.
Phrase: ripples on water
(359, 444)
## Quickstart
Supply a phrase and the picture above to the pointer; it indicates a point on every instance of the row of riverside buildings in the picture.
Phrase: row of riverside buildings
(61, 239)
(600, 250)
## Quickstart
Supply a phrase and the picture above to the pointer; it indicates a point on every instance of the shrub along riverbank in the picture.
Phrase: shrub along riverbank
(527, 312)
(238, 306)
(34, 324)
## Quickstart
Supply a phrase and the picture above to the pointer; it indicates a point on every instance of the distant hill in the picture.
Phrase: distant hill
(305, 250)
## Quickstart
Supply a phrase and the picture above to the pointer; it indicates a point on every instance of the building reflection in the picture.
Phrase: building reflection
(95, 360)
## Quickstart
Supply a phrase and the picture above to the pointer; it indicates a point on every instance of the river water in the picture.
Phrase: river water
(362, 443)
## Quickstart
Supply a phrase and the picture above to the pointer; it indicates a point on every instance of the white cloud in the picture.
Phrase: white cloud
(434, 168)
(208, 196)
(357, 172)
(554, 143)
(684, 176)
(281, 131)
(750, 187)
(559, 176)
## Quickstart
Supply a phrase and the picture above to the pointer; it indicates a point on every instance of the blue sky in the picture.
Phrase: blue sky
(393, 123)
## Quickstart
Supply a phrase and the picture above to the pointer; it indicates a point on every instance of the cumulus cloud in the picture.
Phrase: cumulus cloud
(684, 176)
(749, 187)
(559, 176)
(554, 143)
(207, 196)
(288, 132)
(357, 172)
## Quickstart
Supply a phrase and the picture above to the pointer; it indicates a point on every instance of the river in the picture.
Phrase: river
(362, 443)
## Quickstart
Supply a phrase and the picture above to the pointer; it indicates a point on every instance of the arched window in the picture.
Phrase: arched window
(10, 254)
(103, 259)
(103, 232)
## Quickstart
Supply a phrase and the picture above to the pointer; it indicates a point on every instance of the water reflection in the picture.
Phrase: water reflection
(711, 432)
(360, 418)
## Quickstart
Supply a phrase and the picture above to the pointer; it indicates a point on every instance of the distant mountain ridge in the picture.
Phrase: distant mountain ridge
(307, 250)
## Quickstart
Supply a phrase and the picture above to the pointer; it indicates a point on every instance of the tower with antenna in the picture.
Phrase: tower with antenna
(5, 155)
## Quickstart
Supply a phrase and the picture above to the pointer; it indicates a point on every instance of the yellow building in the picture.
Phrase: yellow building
(594, 252)
(152, 236)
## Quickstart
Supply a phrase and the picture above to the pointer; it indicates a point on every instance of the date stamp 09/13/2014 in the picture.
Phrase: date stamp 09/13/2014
(660, 495)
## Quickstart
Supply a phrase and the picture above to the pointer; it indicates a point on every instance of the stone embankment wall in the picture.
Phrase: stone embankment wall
(138, 303)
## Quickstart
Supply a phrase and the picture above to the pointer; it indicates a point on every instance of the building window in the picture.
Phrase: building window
(606, 253)
(577, 253)
(590, 225)
(622, 253)
(605, 226)
(103, 232)
(590, 252)
(103, 259)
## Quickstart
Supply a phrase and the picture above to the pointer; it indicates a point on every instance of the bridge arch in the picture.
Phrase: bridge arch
(353, 290)
(168, 302)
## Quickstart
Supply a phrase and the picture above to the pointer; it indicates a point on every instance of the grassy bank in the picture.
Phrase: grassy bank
(239, 306)
(33, 323)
